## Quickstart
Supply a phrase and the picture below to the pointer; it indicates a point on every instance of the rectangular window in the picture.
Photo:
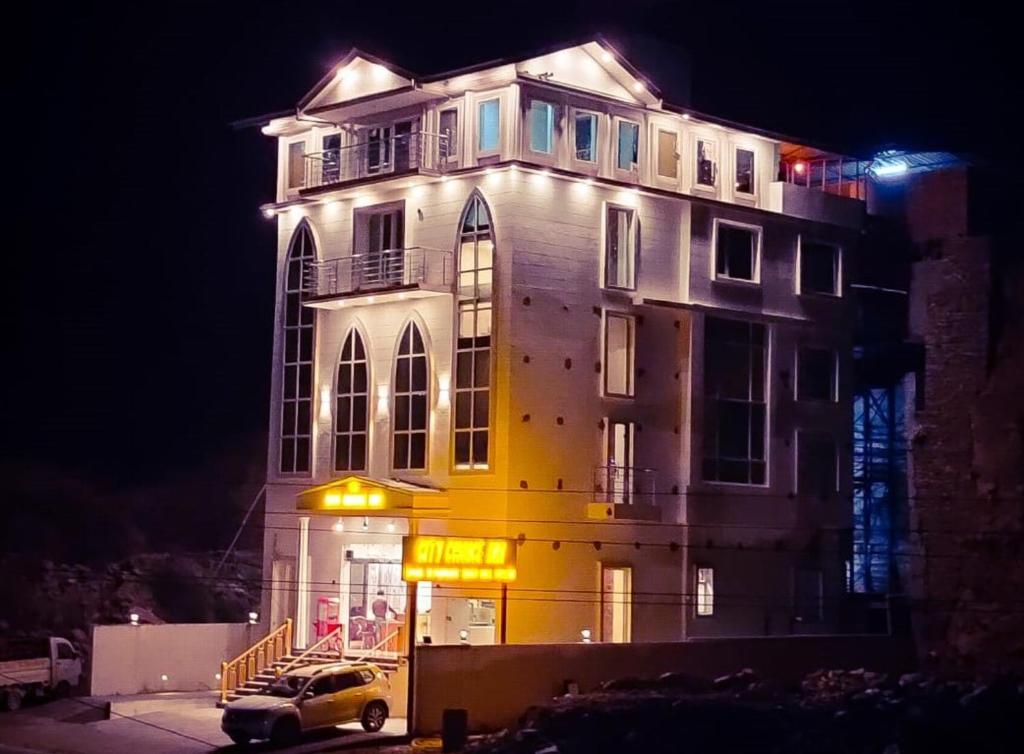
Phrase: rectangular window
(816, 374)
(707, 162)
(618, 355)
(819, 267)
(704, 589)
(744, 171)
(618, 473)
(542, 127)
(668, 157)
(817, 468)
(737, 251)
(735, 408)
(489, 125)
(586, 137)
(620, 249)
(808, 595)
(296, 164)
(330, 165)
(616, 604)
(448, 134)
(629, 145)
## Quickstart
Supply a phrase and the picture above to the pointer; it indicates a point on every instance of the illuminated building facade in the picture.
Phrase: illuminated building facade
(584, 353)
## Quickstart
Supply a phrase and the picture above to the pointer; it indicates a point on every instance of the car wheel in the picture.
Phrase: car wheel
(374, 716)
(12, 700)
(286, 731)
(239, 738)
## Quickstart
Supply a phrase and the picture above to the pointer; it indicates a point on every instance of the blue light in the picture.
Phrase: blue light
(890, 168)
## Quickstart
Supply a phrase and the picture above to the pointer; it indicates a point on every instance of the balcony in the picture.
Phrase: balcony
(386, 154)
(824, 188)
(624, 492)
(415, 272)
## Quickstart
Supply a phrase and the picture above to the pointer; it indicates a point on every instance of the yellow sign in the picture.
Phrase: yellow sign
(355, 497)
(426, 558)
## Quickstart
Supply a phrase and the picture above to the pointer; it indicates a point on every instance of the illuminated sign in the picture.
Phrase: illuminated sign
(427, 558)
(354, 497)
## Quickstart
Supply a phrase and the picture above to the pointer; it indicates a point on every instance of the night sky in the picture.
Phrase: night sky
(141, 274)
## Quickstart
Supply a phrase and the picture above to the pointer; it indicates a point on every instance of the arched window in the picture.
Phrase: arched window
(351, 418)
(409, 426)
(297, 385)
(473, 342)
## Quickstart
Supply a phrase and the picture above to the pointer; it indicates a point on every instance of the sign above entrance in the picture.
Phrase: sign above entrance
(366, 496)
(354, 496)
(448, 559)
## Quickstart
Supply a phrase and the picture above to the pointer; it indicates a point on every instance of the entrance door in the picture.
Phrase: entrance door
(620, 461)
(380, 237)
(616, 604)
(378, 150)
(377, 597)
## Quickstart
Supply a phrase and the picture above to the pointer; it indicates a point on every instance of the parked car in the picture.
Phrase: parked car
(315, 696)
(34, 667)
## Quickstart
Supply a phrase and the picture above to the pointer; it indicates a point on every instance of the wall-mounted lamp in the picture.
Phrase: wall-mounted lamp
(325, 404)
(254, 617)
(464, 636)
(339, 526)
(444, 395)
(134, 618)
(269, 213)
(585, 636)
(382, 401)
(391, 525)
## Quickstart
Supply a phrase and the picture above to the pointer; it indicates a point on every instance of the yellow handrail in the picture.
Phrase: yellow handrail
(312, 648)
(381, 643)
(265, 652)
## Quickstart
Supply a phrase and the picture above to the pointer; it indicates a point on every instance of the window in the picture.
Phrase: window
(473, 340)
(66, 652)
(489, 125)
(668, 156)
(629, 145)
(621, 237)
(808, 595)
(819, 267)
(737, 252)
(618, 476)
(449, 134)
(618, 355)
(297, 388)
(296, 164)
(343, 681)
(705, 591)
(542, 127)
(707, 162)
(817, 468)
(379, 238)
(409, 427)
(320, 686)
(352, 411)
(816, 374)
(586, 137)
(366, 675)
(744, 171)
(330, 165)
(735, 364)
(616, 604)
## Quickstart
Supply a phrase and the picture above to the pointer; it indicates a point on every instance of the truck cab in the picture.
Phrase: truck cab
(34, 667)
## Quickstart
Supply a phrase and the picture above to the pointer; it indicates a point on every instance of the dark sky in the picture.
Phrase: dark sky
(140, 272)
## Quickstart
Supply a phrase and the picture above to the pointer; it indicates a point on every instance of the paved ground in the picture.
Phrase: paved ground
(158, 724)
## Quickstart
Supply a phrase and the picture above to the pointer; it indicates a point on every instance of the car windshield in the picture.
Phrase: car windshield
(288, 686)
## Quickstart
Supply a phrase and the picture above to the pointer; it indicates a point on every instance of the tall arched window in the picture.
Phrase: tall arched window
(351, 417)
(409, 426)
(297, 383)
(473, 342)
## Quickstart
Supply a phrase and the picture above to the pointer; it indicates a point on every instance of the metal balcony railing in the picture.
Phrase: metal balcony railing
(379, 271)
(387, 153)
(833, 175)
(625, 485)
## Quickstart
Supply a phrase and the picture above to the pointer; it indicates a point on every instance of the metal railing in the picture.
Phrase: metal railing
(377, 652)
(625, 485)
(330, 642)
(386, 154)
(378, 271)
(255, 659)
(833, 175)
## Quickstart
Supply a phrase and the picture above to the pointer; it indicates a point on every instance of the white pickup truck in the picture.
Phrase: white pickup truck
(36, 667)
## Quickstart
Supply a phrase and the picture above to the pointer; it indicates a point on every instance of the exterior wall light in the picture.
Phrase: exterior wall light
(339, 526)
(464, 637)
(585, 636)
(382, 401)
(325, 404)
(268, 213)
(444, 394)
(254, 617)
(134, 618)
(163, 677)
(216, 676)
(607, 57)
(686, 116)
(638, 87)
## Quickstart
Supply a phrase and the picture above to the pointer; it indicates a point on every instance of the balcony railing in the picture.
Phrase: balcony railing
(415, 267)
(833, 175)
(390, 153)
(625, 485)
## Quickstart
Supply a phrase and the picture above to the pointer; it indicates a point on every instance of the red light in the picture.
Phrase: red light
(800, 168)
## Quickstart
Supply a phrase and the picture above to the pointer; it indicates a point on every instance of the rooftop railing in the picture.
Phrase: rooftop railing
(625, 485)
(387, 154)
(376, 271)
(833, 175)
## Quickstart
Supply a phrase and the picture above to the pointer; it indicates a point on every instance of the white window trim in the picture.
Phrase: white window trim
(694, 172)
(697, 568)
(528, 130)
(477, 103)
(656, 155)
(759, 234)
(635, 169)
(573, 112)
(286, 162)
(796, 374)
(631, 366)
(744, 195)
(634, 237)
(799, 264)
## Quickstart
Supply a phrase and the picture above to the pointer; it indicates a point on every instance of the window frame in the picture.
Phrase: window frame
(758, 244)
(695, 184)
(595, 117)
(834, 377)
(288, 186)
(454, 145)
(736, 149)
(630, 354)
(352, 362)
(660, 129)
(552, 127)
(634, 168)
(305, 229)
(633, 237)
(427, 393)
(698, 599)
(837, 267)
(479, 150)
(627, 570)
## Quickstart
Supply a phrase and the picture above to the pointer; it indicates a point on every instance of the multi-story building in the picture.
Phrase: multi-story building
(532, 307)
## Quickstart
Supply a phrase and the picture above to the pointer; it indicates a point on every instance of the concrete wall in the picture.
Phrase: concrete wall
(132, 659)
(497, 684)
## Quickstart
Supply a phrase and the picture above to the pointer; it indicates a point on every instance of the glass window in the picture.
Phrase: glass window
(409, 425)
(620, 248)
(736, 250)
(744, 171)
(472, 415)
(65, 652)
(351, 417)
(629, 145)
(618, 355)
(817, 467)
(819, 267)
(330, 165)
(705, 591)
(321, 686)
(616, 604)
(489, 125)
(449, 134)
(668, 157)
(707, 162)
(586, 137)
(542, 126)
(816, 374)
(618, 481)
(297, 360)
(297, 164)
(735, 408)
